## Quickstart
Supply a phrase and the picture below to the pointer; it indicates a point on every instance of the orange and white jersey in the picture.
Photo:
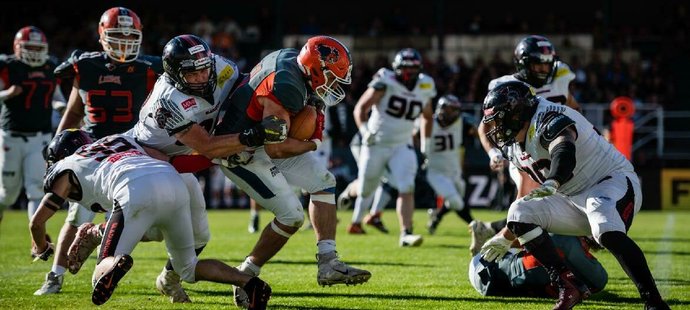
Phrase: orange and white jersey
(556, 90)
(596, 158)
(392, 118)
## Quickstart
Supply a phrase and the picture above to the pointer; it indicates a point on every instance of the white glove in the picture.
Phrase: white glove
(547, 189)
(426, 145)
(495, 248)
(496, 159)
(368, 137)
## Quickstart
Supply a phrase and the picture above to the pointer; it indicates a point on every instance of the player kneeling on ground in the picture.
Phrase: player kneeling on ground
(143, 192)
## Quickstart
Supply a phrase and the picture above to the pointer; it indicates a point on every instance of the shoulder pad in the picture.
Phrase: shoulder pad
(382, 78)
(155, 62)
(52, 174)
(563, 70)
(426, 83)
(552, 124)
(65, 70)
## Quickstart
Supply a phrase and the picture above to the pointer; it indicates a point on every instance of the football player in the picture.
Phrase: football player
(587, 187)
(395, 99)
(142, 192)
(518, 273)
(279, 86)
(441, 142)
(108, 88)
(536, 64)
(177, 117)
(29, 92)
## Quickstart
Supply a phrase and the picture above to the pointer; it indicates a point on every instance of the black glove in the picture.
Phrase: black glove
(272, 129)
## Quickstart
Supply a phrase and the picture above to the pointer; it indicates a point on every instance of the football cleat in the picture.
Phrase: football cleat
(52, 285)
(169, 284)
(433, 222)
(355, 229)
(480, 232)
(253, 226)
(87, 239)
(375, 220)
(104, 287)
(570, 291)
(410, 240)
(344, 201)
(258, 293)
(333, 271)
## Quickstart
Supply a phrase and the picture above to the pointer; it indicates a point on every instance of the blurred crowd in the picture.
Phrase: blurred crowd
(660, 75)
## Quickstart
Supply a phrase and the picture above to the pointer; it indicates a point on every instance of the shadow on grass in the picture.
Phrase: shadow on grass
(652, 239)
(659, 281)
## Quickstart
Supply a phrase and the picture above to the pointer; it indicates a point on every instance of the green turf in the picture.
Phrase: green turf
(433, 276)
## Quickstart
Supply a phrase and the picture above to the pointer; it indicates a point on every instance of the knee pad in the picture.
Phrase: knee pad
(291, 216)
(325, 198)
(455, 203)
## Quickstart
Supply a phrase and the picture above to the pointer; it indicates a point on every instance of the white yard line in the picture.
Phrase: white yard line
(663, 263)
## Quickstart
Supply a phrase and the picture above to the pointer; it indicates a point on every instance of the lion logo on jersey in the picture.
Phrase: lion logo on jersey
(161, 116)
(328, 54)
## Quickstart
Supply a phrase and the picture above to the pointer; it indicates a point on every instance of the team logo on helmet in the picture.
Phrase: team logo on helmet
(328, 54)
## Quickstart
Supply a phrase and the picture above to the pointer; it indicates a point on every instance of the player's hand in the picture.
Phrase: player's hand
(496, 159)
(547, 189)
(495, 248)
(320, 125)
(45, 255)
(272, 129)
(368, 137)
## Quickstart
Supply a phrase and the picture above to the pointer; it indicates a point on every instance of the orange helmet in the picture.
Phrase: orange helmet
(116, 24)
(31, 46)
(327, 63)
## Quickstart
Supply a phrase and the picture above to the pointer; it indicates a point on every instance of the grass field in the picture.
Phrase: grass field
(433, 276)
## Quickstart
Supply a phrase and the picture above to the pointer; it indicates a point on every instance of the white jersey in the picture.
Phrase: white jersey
(392, 119)
(444, 155)
(103, 167)
(596, 158)
(168, 111)
(555, 90)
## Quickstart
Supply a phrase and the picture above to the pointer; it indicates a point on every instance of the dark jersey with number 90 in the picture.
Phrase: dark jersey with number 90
(112, 94)
(31, 110)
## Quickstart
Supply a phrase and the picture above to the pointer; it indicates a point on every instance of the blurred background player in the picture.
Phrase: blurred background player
(441, 142)
(536, 64)
(395, 99)
(280, 86)
(518, 273)
(108, 89)
(30, 92)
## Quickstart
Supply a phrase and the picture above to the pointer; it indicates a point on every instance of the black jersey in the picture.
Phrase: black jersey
(31, 110)
(112, 94)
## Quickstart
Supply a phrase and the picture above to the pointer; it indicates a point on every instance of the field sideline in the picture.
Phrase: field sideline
(433, 276)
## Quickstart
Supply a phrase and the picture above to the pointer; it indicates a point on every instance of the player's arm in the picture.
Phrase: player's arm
(495, 155)
(75, 109)
(197, 138)
(51, 203)
(426, 127)
(370, 97)
(12, 91)
(59, 103)
(290, 147)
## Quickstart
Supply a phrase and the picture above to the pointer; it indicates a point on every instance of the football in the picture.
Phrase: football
(303, 124)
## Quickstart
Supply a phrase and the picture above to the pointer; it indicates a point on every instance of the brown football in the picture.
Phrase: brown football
(303, 124)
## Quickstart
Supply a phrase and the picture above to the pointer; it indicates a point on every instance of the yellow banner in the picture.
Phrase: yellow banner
(675, 189)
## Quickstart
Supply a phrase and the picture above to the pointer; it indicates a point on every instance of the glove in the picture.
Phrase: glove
(547, 189)
(45, 255)
(426, 146)
(495, 248)
(272, 129)
(496, 159)
(320, 125)
(241, 158)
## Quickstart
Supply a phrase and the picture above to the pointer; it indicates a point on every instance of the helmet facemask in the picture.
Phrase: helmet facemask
(121, 44)
(34, 54)
(331, 91)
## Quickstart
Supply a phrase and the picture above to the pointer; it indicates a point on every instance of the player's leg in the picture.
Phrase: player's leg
(530, 220)
(382, 197)
(12, 169)
(402, 176)
(254, 209)
(305, 172)
(372, 163)
(33, 177)
(611, 206)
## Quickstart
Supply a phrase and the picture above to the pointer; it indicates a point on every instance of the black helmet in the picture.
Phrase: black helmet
(410, 59)
(65, 144)
(187, 53)
(447, 110)
(534, 49)
(509, 105)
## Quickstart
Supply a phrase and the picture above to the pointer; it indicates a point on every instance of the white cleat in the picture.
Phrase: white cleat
(169, 284)
(52, 285)
(344, 201)
(410, 240)
(480, 232)
(333, 271)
